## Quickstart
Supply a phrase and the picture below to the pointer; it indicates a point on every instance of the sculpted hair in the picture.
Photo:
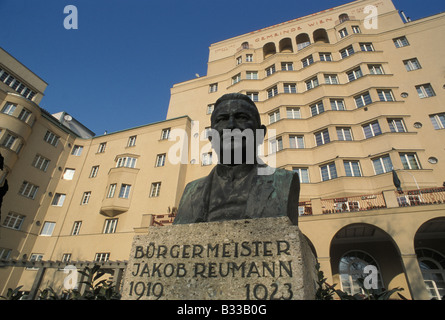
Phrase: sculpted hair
(239, 96)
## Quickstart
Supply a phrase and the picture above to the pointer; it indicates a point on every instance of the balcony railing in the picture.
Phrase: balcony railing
(420, 197)
(353, 204)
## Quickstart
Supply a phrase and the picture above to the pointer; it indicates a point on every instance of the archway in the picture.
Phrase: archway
(303, 41)
(320, 35)
(430, 253)
(269, 49)
(285, 45)
(357, 245)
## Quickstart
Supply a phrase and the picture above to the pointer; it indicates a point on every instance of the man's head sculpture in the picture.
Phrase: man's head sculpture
(236, 123)
(235, 189)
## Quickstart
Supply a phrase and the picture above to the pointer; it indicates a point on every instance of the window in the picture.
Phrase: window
(239, 60)
(412, 64)
(58, 199)
(102, 257)
(111, 190)
(287, 66)
(276, 145)
(303, 174)
(48, 228)
(252, 75)
(325, 56)
(94, 171)
(160, 160)
(346, 52)
(322, 137)
(236, 79)
(155, 189)
(110, 226)
(165, 134)
(438, 120)
(293, 113)
(312, 83)
(124, 193)
(131, 141)
(317, 108)
(290, 88)
(51, 138)
(352, 168)
(432, 266)
(213, 87)
(296, 142)
(375, 69)
(253, 96)
(366, 46)
(385, 95)
(425, 91)
(68, 174)
(24, 115)
(5, 253)
(354, 74)
(13, 221)
(337, 104)
(128, 162)
(85, 198)
(101, 147)
(362, 100)
(77, 150)
(28, 190)
(66, 257)
(249, 57)
(351, 268)
(307, 61)
(410, 161)
(272, 92)
(356, 29)
(330, 79)
(396, 125)
(270, 70)
(328, 171)
(344, 133)
(76, 228)
(371, 129)
(382, 164)
(8, 141)
(274, 116)
(209, 110)
(40, 162)
(401, 42)
(35, 257)
(9, 108)
(343, 33)
(206, 159)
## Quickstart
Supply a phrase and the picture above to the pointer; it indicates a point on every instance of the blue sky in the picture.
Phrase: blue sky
(103, 74)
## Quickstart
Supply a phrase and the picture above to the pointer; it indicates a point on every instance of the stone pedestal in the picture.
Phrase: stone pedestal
(252, 259)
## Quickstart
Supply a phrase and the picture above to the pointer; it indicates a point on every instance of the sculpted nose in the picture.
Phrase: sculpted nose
(231, 123)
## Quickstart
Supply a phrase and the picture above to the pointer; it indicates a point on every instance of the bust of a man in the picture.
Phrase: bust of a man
(240, 186)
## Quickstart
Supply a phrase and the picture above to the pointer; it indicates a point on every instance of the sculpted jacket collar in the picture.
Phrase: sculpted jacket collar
(260, 185)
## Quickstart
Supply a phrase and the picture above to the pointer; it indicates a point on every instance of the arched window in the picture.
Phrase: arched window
(351, 268)
(320, 35)
(286, 45)
(303, 41)
(343, 17)
(269, 49)
(432, 265)
(245, 45)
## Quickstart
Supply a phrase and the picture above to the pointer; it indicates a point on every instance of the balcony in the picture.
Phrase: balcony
(370, 202)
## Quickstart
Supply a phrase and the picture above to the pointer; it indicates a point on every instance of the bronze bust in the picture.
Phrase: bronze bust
(238, 188)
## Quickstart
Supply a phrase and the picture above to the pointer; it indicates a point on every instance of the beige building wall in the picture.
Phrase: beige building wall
(340, 215)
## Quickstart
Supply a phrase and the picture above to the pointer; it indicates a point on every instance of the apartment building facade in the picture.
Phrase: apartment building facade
(353, 101)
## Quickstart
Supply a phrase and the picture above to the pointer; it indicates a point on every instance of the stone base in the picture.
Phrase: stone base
(231, 260)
